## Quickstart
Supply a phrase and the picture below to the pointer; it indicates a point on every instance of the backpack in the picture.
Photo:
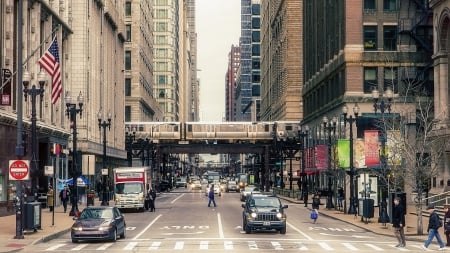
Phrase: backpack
(314, 214)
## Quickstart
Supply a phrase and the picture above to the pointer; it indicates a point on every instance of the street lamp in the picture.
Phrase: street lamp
(34, 92)
(384, 106)
(103, 125)
(303, 135)
(129, 139)
(351, 119)
(330, 127)
(72, 111)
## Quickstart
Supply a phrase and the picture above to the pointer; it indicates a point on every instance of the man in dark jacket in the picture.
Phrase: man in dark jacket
(433, 226)
(398, 222)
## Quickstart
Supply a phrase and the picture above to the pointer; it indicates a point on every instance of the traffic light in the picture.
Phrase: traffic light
(6, 77)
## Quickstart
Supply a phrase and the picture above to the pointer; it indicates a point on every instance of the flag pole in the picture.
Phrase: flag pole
(31, 55)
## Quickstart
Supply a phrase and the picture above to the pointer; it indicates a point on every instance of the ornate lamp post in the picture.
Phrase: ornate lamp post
(330, 127)
(303, 135)
(384, 106)
(72, 111)
(103, 125)
(34, 92)
(350, 119)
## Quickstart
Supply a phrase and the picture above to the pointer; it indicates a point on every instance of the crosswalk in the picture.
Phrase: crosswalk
(150, 245)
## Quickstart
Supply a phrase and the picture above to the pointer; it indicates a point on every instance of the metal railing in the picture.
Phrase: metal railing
(438, 199)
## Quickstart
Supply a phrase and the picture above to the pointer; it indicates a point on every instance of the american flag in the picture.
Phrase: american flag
(50, 62)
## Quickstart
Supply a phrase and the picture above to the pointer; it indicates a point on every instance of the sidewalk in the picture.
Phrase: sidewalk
(52, 228)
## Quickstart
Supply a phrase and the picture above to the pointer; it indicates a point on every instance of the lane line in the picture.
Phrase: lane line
(299, 231)
(276, 245)
(105, 246)
(55, 247)
(130, 246)
(374, 247)
(219, 222)
(155, 246)
(204, 244)
(173, 201)
(146, 228)
(80, 247)
(252, 245)
(228, 245)
(179, 245)
(349, 246)
(325, 246)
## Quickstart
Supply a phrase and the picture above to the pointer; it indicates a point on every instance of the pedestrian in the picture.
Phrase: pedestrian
(64, 195)
(211, 196)
(50, 198)
(434, 223)
(398, 222)
(152, 200)
(447, 223)
(316, 201)
(340, 197)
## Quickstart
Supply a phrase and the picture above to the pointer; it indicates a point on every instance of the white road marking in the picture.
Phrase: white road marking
(325, 246)
(179, 245)
(80, 247)
(104, 246)
(130, 246)
(219, 223)
(155, 246)
(228, 245)
(57, 246)
(276, 245)
(349, 246)
(148, 226)
(299, 231)
(173, 201)
(252, 245)
(204, 244)
(302, 246)
(373, 247)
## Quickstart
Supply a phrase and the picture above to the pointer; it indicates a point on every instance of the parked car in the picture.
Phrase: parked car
(263, 212)
(163, 186)
(196, 185)
(98, 223)
(248, 190)
(232, 186)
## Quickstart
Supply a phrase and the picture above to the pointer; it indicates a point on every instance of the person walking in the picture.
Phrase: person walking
(211, 196)
(434, 223)
(50, 198)
(316, 201)
(447, 223)
(152, 194)
(64, 195)
(398, 222)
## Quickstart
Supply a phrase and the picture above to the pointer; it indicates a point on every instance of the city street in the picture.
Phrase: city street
(183, 221)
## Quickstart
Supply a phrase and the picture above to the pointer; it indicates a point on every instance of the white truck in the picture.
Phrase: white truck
(130, 187)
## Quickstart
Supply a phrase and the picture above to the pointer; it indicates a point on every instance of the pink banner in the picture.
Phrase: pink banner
(310, 158)
(371, 148)
(321, 157)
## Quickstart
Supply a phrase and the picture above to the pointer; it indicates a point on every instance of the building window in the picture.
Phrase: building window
(128, 31)
(128, 9)
(390, 38)
(256, 23)
(256, 50)
(161, 39)
(162, 66)
(256, 9)
(370, 38)
(161, 2)
(370, 4)
(370, 79)
(162, 93)
(162, 79)
(390, 5)
(256, 36)
(127, 113)
(162, 14)
(256, 63)
(391, 78)
(127, 60)
(127, 87)
(161, 27)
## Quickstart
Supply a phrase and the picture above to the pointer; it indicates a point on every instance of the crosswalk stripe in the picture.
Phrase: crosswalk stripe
(204, 244)
(276, 245)
(252, 245)
(104, 246)
(228, 245)
(325, 246)
(374, 247)
(130, 246)
(302, 246)
(179, 245)
(155, 246)
(57, 246)
(349, 246)
(80, 247)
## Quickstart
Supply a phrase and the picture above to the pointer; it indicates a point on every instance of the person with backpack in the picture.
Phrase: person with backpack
(314, 215)
(211, 196)
(434, 223)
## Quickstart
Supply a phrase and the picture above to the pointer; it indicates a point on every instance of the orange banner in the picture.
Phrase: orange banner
(371, 148)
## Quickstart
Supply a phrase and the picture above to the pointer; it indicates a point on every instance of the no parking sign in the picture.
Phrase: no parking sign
(19, 169)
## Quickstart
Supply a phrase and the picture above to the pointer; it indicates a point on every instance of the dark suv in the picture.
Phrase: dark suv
(263, 212)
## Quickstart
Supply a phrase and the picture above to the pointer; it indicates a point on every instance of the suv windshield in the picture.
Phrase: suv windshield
(265, 202)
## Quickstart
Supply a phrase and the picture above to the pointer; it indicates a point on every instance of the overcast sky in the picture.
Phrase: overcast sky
(218, 27)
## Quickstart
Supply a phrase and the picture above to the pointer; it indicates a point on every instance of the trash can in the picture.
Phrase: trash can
(90, 198)
(366, 209)
(32, 216)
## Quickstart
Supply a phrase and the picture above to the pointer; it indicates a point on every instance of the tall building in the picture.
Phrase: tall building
(234, 60)
(90, 40)
(140, 101)
(248, 85)
(193, 93)
(281, 60)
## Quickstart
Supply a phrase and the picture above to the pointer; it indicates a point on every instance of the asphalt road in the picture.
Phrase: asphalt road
(183, 222)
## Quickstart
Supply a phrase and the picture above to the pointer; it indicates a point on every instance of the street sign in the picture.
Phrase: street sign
(19, 169)
(48, 170)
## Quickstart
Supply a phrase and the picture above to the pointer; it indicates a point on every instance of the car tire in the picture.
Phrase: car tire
(247, 228)
(283, 230)
(122, 236)
(74, 240)
(114, 235)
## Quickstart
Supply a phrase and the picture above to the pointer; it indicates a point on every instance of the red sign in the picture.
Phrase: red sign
(19, 169)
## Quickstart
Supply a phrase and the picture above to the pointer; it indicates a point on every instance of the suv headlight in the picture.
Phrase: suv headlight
(253, 215)
(279, 215)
